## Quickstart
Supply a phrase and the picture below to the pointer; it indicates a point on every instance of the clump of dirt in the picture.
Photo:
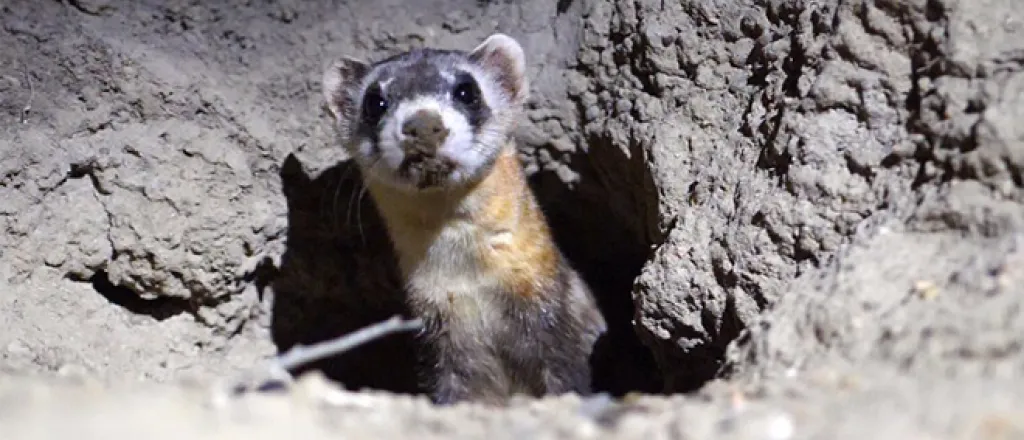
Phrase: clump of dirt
(798, 211)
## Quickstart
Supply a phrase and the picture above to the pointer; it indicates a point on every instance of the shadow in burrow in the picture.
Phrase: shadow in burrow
(338, 273)
(602, 225)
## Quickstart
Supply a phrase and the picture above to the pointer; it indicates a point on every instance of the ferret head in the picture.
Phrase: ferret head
(429, 119)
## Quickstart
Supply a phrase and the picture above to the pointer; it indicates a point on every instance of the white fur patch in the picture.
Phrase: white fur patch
(450, 278)
(460, 147)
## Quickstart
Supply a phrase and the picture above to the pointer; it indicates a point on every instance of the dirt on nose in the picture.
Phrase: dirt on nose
(426, 170)
(424, 132)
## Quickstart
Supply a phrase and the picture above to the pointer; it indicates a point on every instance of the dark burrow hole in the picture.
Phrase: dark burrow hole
(159, 308)
(608, 256)
(338, 275)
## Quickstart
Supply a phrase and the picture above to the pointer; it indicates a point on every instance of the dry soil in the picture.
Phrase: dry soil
(803, 219)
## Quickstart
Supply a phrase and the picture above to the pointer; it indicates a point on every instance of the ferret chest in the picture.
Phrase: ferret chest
(445, 269)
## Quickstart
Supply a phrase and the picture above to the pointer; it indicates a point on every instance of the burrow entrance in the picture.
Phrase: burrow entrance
(338, 275)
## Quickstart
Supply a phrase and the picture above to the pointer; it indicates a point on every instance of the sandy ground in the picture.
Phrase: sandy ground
(804, 220)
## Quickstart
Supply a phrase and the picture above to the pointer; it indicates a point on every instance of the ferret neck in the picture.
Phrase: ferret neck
(436, 207)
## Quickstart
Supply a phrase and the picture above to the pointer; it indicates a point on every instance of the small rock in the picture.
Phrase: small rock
(926, 289)
(55, 257)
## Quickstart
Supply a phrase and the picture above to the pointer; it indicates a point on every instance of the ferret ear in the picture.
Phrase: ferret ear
(339, 80)
(502, 57)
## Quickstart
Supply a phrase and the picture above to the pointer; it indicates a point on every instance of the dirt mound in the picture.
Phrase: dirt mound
(819, 205)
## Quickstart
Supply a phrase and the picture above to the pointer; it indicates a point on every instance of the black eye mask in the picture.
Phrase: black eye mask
(467, 99)
(375, 105)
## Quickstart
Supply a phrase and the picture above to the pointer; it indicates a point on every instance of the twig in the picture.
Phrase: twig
(300, 355)
(277, 369)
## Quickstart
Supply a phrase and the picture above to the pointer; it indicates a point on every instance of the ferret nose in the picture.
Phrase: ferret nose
(425, 127)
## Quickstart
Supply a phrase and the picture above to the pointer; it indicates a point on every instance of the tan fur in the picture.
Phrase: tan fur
(496, 224)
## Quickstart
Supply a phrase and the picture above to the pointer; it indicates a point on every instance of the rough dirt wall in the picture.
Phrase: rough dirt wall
(699, 155)
(931, 283)
(767, 133)
(170, 169)
(757, 129)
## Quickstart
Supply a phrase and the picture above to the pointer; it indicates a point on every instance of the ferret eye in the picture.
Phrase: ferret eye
(374, 106)
(465, 90)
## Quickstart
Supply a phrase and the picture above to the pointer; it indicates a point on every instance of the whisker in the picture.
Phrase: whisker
(362, 194)
(337, 193)
(348, 212)
(359, 214)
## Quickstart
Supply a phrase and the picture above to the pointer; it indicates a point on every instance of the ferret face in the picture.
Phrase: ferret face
(429, 119)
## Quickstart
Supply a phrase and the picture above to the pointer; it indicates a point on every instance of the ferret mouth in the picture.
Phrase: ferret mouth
(425, 171)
